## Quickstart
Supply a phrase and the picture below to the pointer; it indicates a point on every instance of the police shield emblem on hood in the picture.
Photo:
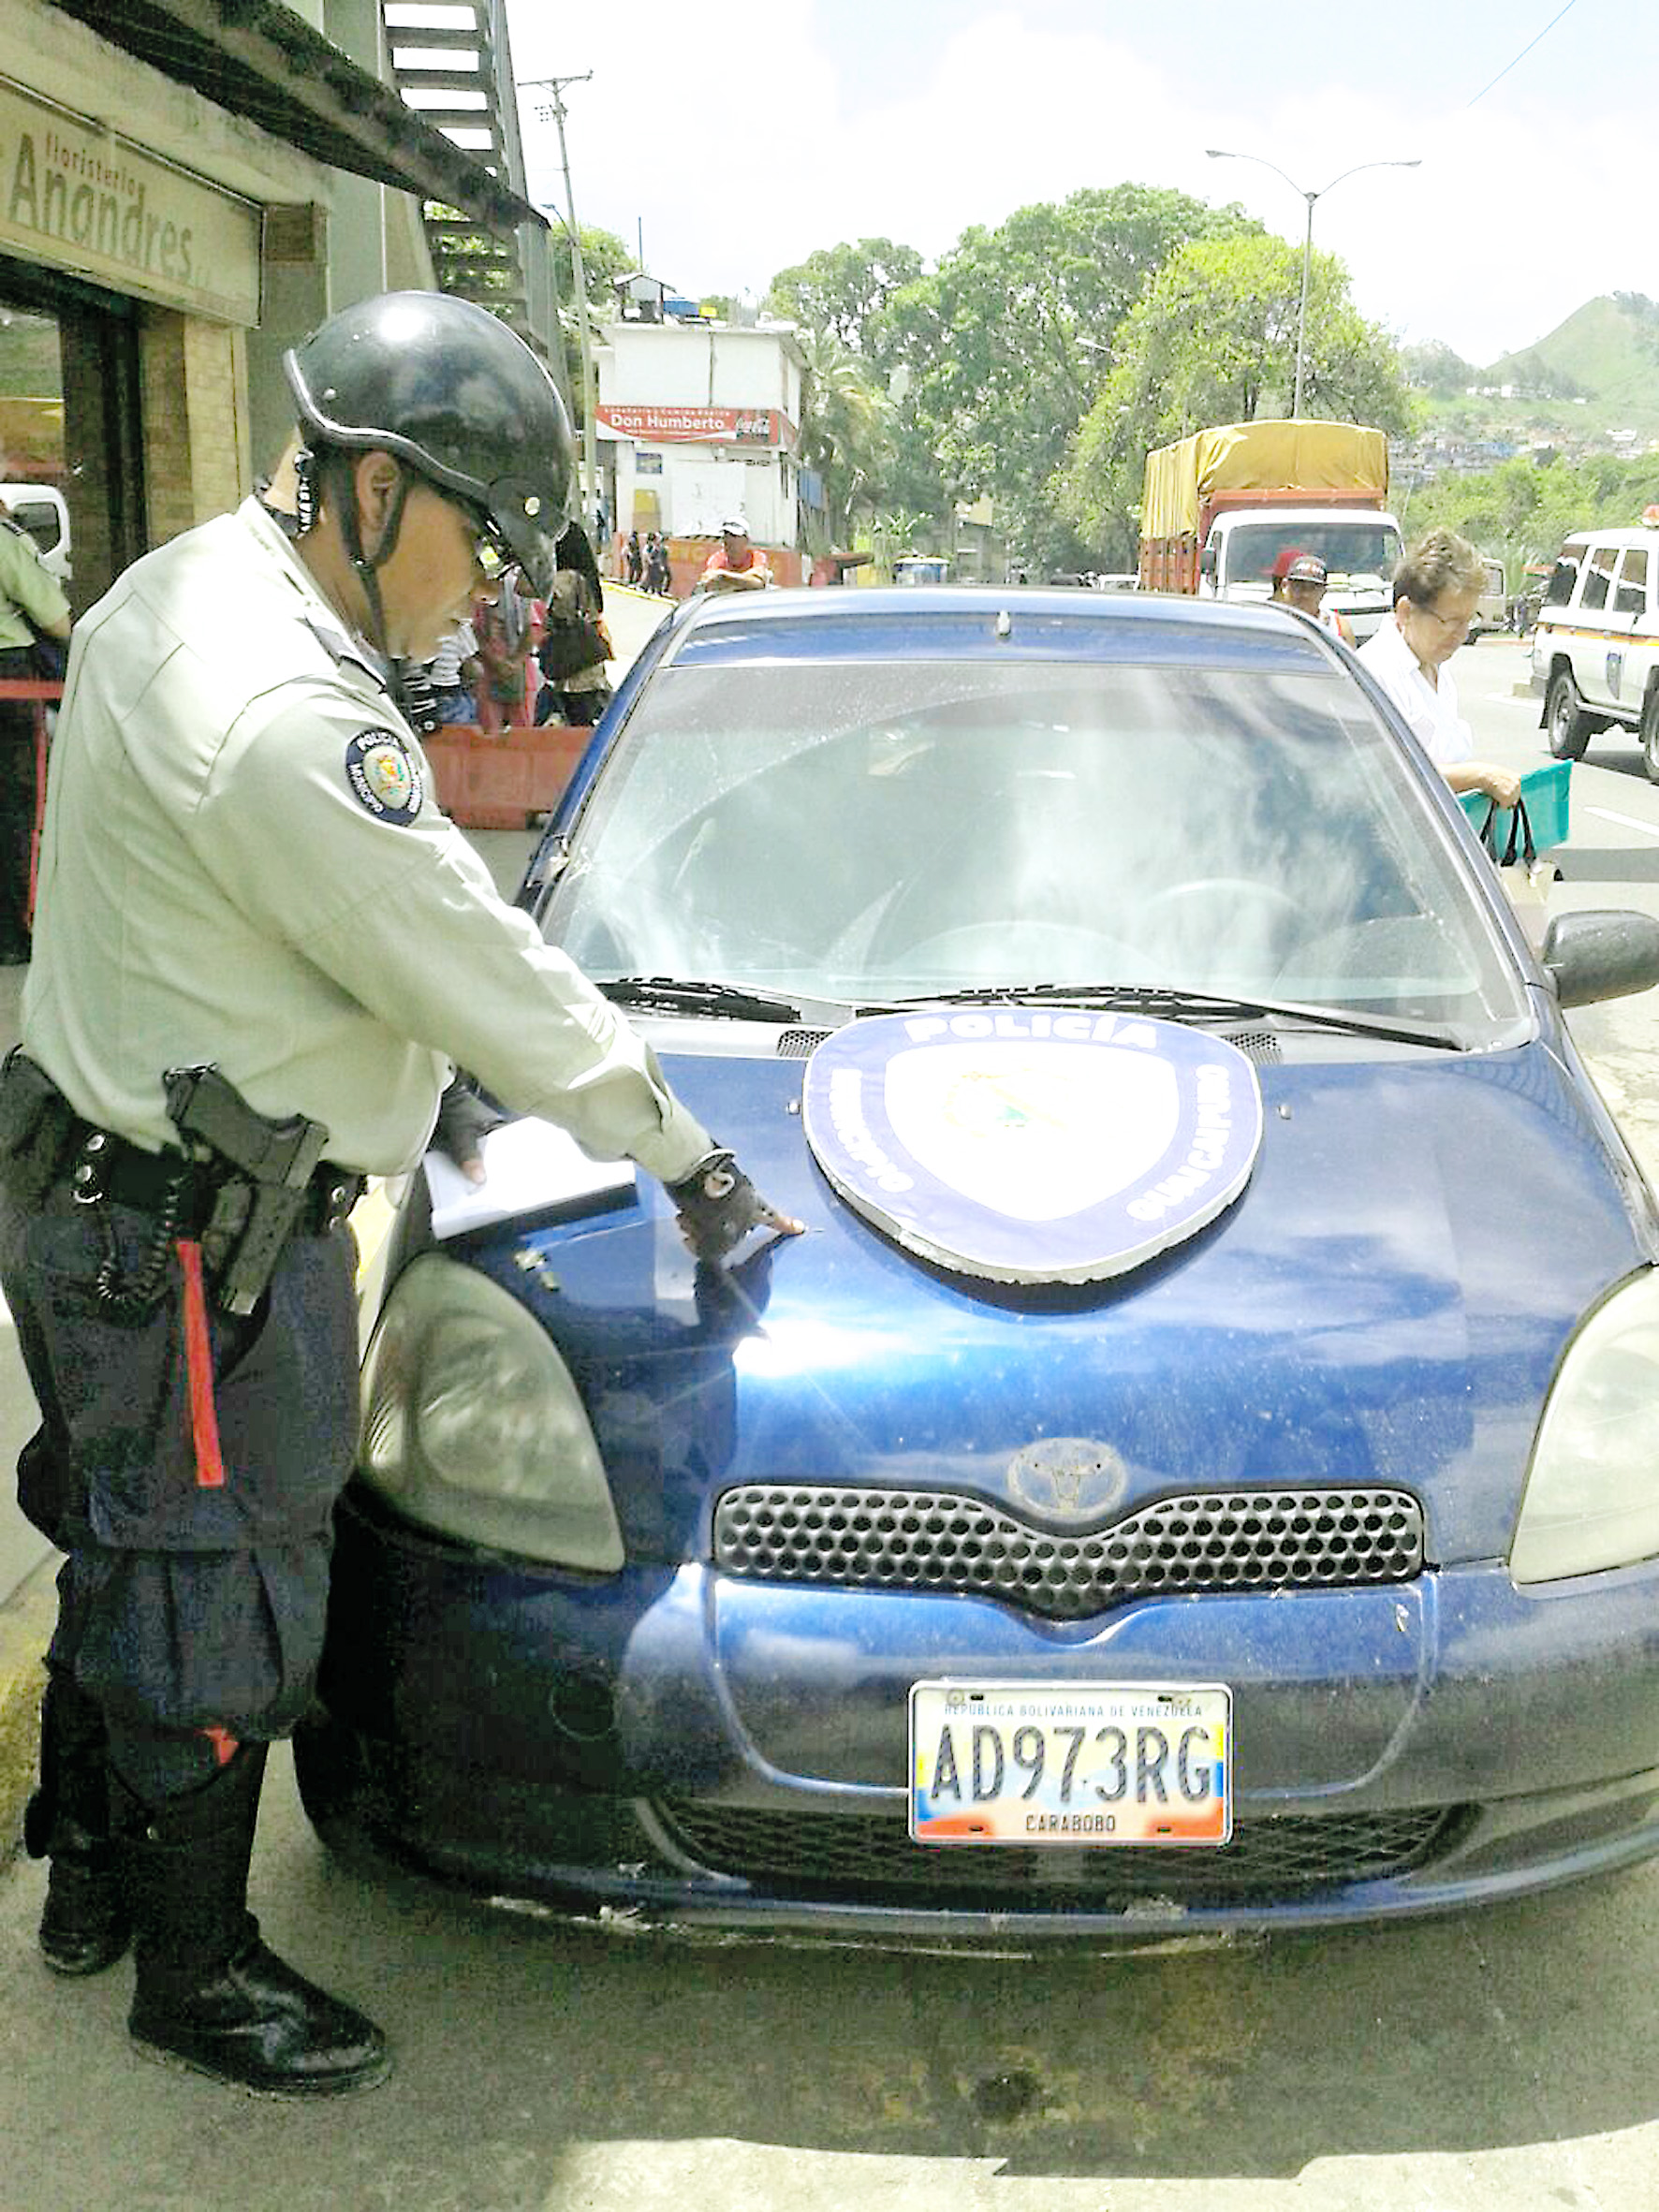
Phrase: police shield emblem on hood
(1031, 1146)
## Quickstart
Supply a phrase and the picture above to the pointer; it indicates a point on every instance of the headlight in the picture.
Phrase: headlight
(1593, 1491)
(473, 1426)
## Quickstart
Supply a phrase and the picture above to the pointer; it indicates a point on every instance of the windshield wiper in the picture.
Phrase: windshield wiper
(1191, 1006)
(729, 999)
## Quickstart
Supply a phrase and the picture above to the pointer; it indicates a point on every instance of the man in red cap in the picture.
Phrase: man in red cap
(1299, 580)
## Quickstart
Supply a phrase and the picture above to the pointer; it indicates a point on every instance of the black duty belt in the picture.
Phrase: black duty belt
(106, 1165)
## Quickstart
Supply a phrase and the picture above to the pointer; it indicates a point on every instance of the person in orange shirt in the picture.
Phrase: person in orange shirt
(734, 566)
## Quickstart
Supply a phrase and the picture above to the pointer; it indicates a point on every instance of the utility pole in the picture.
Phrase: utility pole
(553, 110)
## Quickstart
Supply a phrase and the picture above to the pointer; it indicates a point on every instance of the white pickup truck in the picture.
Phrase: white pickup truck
(1595, 644)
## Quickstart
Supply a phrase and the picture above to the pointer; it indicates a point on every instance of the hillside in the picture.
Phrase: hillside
(1595, 372)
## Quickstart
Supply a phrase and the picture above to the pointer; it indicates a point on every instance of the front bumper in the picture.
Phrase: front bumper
(680, 1748)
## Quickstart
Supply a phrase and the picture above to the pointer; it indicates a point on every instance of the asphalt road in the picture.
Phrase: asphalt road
(1505, 2059)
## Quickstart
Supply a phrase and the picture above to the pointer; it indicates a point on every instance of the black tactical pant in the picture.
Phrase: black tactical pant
(17, 806)
(191, 1610)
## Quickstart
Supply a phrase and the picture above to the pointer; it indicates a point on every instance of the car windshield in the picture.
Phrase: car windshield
(870, 833)
(1352, 552)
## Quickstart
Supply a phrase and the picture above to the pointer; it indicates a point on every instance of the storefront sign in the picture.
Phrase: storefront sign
(1031, 1144)
(84, 199)
(699, 426)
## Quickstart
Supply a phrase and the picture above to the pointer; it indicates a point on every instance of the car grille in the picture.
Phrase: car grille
(1222, 1540)
(1266, 1859)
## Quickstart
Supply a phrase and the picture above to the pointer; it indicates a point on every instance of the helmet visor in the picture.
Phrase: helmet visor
(529, 520)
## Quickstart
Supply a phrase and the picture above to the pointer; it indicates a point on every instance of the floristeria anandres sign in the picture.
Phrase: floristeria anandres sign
(1033, 1146)
(699, 426)
(90, 202)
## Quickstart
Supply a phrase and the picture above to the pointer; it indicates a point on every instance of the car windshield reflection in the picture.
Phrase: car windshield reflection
(874, 832)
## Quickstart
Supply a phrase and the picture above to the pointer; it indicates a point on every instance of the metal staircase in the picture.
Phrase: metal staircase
(452, 63)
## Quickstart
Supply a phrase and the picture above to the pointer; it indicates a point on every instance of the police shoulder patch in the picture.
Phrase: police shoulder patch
(384, 776)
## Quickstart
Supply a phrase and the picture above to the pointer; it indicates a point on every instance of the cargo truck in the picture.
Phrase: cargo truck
(1220, 506)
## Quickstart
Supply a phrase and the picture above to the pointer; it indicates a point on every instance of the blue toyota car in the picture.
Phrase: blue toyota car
(1199, 1469)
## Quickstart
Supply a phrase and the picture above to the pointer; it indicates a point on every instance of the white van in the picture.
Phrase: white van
(1491, 609)
(1595, 644)
(42, 511)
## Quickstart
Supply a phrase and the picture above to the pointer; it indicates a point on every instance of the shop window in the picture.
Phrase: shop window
(68, 423)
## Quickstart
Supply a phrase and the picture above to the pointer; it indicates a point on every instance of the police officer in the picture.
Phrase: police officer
(244, 868)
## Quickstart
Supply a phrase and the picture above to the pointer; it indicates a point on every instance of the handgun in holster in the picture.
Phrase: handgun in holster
(267, 1166)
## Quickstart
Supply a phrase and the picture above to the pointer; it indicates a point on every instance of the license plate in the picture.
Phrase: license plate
(1042, 1763)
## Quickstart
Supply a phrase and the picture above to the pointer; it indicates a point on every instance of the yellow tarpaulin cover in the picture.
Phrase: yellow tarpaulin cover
(1258, 456)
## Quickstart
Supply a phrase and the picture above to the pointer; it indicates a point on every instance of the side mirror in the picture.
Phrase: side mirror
(1206, 561)
(1600, 954)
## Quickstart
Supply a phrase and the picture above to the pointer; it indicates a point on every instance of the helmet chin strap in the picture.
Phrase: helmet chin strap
(351, 531)
(339, 464)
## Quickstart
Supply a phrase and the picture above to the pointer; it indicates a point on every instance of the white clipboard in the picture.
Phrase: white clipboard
(530, 1167)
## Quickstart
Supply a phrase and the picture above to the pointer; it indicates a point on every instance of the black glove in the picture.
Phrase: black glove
(463, 1121)
(718, 1206)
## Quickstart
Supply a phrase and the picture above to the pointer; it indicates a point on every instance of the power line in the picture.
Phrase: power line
(1522, 54)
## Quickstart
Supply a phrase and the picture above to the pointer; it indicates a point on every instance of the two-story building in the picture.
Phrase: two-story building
(700, 420)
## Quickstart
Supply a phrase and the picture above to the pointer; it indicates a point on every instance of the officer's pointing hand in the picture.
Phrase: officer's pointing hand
(463, 1123)
(719, 1207)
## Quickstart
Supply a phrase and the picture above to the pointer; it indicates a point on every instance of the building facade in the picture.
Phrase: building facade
(186, 187)
(700, 420)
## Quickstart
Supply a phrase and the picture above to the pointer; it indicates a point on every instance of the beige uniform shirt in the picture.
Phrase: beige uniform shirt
(243, 862)
(27, 587)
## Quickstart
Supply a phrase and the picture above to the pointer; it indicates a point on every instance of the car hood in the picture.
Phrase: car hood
(1383, 1304)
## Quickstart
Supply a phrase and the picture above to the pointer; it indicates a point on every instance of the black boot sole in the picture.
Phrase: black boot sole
(284, 2087)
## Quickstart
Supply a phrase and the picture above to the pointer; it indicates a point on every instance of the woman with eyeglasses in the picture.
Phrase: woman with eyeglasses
(1435, 590)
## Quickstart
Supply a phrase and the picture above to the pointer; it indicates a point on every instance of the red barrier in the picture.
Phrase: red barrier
(43, 694)
(506, 780)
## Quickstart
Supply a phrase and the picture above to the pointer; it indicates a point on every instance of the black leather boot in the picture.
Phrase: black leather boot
(85, 1925)
(209, 1993)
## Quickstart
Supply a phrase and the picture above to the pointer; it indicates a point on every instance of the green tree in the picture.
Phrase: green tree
(1011, 339)
(1434, 367)
(1520, 511)
(1213, 340)
(846, 427)
(845, 292)
(842, 291)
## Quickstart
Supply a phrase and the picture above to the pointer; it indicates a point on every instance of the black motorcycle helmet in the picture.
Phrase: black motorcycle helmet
(449, 390)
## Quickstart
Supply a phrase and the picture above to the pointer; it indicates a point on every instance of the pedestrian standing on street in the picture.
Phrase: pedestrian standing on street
(1435, 588)
(260, 948)
(32, 606)
(1302, 586)
(735, 564)
(454, 674)
(635, 560)
(575, 643)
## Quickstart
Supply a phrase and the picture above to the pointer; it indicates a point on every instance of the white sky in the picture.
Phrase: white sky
(740, 139)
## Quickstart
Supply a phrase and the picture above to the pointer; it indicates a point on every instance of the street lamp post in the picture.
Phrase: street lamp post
(1221, 154)
(554, 111)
